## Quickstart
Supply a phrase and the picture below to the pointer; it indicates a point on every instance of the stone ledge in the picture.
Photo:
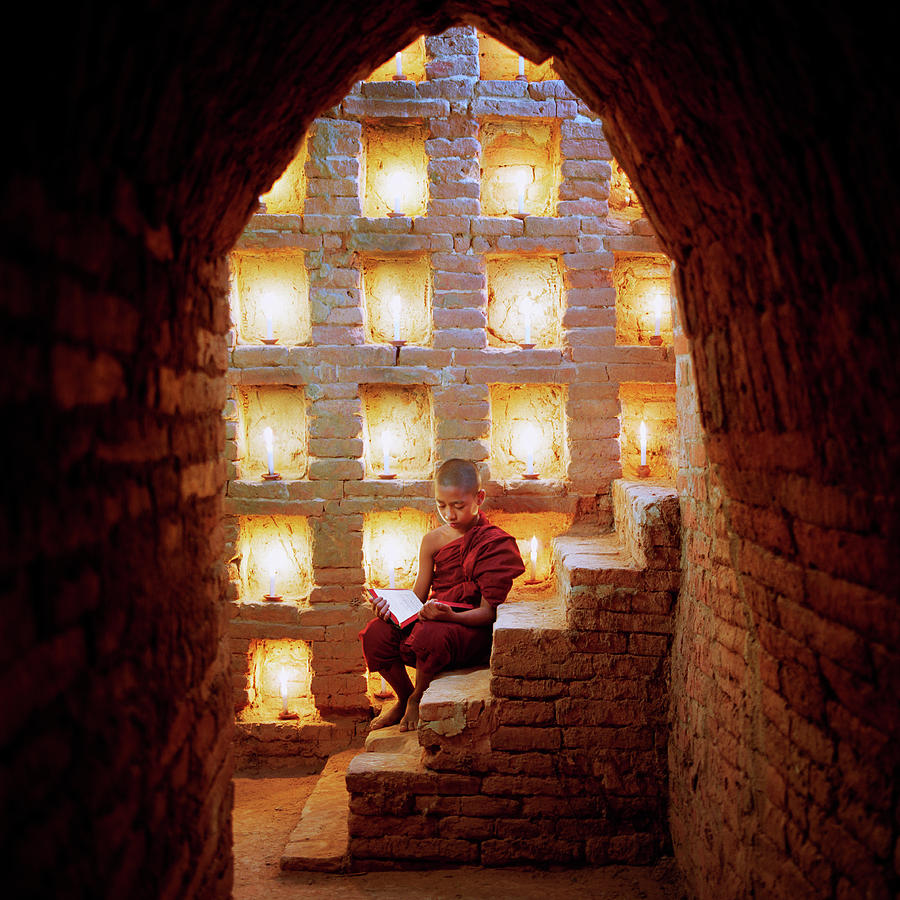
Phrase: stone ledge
(319, 841)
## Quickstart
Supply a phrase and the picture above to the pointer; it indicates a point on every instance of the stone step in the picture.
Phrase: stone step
(456, 718)
(593, 558)
(391, 740)
(319, 842)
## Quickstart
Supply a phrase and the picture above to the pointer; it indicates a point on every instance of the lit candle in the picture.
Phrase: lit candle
(386, 451)
(269, 329)
(399, 59)
(272, 583)
(398, 201)
(521, 66)
(530, 441)
(533, 558)
(283, 680)
(657, 318)
(521, 198)
(527, 308)
(643, 443)
(269, 439)
(395, 315)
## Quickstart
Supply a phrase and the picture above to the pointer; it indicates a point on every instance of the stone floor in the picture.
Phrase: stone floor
(267, 808)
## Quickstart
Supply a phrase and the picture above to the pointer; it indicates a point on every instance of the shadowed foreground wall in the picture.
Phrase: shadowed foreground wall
(761, 146)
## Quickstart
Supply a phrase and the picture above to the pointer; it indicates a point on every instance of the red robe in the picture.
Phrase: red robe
(480, 564)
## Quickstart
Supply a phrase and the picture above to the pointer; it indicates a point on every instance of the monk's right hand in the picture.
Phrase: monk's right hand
(380, 605)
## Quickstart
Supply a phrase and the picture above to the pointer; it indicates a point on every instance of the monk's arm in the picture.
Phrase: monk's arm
(426, 568)
(436, 611)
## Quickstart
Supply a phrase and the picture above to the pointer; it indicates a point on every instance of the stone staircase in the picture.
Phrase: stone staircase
(557, 752)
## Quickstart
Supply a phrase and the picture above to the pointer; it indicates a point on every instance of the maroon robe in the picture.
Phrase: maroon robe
(479, 565)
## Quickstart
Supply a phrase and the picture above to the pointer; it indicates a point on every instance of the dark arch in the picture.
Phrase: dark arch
(761, 141)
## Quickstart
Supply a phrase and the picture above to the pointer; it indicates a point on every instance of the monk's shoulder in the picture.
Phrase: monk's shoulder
(433, 540)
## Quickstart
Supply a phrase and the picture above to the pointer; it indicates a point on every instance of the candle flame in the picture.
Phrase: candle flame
(387, 440)
(527, 306)
(282, 680)
(269, 438)
(396, 306)
(529, 435)
(643, 430)
(534, 545)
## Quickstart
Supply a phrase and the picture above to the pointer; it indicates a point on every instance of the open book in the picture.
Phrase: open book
(403, 604)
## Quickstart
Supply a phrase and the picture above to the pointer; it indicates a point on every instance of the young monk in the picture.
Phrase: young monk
(464, 561)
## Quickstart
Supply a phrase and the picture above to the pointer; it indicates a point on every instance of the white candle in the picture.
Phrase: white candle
(269, 439)
(521, 66)
(530, 440)
(386, 451)
(533, 558)
(395, 315)
(398, 201)
(399, 59)
(643, 443)
(521, 199)
(283, 680)
(526, 311)
(269, 329)
(657, 318)
(272, 584)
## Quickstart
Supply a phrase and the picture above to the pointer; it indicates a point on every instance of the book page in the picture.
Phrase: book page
(404, 604)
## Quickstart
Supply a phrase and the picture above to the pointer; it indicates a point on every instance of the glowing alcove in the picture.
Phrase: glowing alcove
(653, 404)
(497, 62)
(391, 540)
(274, 663)
(283, 409)
(413, 64)
(519, 156)
(544, 526)
(403, 414)
(623, 201)
(397, 298)
(395, 174)
(270, 294)
(528, 416)
(289, 191)
(643, 286)
(524, 301)
(274, 552)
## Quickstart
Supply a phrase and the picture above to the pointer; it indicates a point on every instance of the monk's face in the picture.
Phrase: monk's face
(458, 507)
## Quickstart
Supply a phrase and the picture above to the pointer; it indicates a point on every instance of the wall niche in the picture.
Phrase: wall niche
(391, 540)
(397, 299)
(653, 404)
(524, 301)
(395, 173)
(270, 298)
(282, 408)
(643, 285)
(528, 425)
(520, 169)
(274, 558)
(398, 431)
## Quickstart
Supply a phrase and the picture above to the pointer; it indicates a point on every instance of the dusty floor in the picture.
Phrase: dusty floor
(267, 808)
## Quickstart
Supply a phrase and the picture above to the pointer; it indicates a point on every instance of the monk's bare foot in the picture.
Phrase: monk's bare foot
(389, 716)
(410, 720)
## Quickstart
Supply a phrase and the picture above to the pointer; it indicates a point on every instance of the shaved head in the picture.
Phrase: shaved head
(459, 473)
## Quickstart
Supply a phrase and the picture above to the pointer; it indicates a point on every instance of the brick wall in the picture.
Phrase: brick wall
(759, 144)
(461, 386)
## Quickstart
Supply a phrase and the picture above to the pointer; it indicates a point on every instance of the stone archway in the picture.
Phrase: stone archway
(115, 735)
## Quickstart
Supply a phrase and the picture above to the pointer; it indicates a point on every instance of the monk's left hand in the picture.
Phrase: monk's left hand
(434, 611)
